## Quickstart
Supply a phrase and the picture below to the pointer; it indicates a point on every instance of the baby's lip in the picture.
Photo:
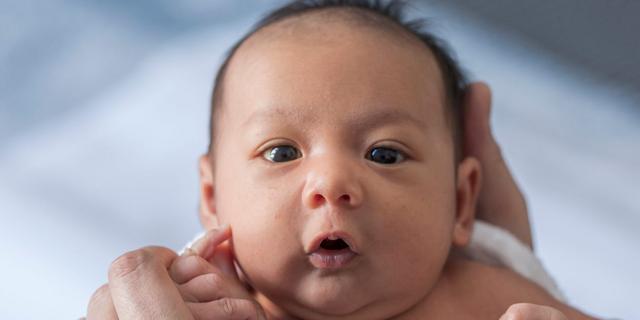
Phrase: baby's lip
(314, 245)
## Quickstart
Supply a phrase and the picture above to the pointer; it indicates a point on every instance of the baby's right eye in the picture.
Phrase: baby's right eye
(282, 154)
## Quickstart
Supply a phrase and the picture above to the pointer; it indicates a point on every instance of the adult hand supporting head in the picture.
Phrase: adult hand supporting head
(500, 202)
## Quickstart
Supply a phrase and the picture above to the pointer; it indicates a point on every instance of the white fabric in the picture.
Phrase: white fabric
(493, 245)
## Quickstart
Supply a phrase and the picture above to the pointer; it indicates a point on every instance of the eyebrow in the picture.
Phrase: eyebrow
(357, 122)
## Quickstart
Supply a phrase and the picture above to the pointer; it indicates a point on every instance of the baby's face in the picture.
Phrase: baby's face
(335, 136)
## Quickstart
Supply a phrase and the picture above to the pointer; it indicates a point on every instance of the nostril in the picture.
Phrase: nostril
(319, 199)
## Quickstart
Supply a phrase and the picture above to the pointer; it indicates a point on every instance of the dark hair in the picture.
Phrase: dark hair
(391, 11)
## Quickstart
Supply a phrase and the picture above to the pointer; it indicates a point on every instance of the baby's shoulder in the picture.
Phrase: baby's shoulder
(482, 281)
(492, 289)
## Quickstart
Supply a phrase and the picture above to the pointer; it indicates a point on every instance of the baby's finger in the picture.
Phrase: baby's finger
(227, 308)
(209, 287)
(215, 248)
(189, 266)
(204, 288)
(205, 246)
(223, 258)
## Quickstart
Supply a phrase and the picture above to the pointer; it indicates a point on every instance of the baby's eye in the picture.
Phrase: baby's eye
(281, 154)
(385, 155)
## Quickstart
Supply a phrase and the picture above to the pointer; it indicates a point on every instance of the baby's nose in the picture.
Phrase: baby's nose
(334, 185)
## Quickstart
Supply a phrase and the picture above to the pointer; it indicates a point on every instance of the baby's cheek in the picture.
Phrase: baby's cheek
(249, 250)
(410, 270)
(267, 260)
(260, 238)
(422, 240)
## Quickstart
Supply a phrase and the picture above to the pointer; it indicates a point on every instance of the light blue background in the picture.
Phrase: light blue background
(104, 111)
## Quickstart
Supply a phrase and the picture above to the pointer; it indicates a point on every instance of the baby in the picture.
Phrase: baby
(336, 172)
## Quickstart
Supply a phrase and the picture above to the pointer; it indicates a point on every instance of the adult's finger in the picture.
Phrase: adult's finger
(141, 287)
(227, 308)
(528, 311)
(101, 306)
(500, 201)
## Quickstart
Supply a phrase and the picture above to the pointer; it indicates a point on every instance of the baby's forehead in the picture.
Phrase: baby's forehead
(333, 24)
(292, 62)
(297, 39)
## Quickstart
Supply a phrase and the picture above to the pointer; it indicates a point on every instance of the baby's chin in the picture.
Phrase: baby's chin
(337, 295)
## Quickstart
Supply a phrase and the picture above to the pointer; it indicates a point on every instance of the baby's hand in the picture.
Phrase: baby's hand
(528, 311)
(207, 280)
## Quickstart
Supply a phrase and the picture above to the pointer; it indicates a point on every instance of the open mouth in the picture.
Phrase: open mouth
(331, 252)
(337, 244)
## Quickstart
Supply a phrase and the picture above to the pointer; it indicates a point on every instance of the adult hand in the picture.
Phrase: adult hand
(154, 283)
(528, 311)
(139, 288)
(500, 202)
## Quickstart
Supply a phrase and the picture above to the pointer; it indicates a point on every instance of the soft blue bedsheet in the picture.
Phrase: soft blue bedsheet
(100, 141)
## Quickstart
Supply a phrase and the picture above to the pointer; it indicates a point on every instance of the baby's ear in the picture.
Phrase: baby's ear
(208, 215)
(467, 190)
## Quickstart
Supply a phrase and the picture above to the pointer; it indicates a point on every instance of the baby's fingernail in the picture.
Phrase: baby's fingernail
(188, 252)
(205, 246)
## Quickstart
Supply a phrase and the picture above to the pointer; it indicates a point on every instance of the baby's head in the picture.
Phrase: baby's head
(335, 160)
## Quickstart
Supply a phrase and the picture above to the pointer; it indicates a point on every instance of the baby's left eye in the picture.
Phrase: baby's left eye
(385, 155)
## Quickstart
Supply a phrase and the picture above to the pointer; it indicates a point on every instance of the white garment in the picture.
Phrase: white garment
(495, 246)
